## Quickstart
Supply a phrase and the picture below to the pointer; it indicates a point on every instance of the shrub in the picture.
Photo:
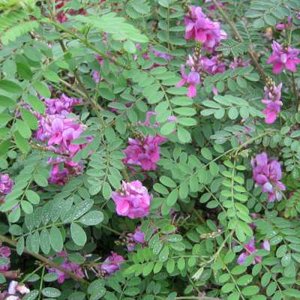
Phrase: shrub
(149, 149)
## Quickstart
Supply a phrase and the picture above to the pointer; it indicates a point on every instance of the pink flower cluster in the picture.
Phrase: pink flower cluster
(202, 29)
(111, 264)
(6, 185)
(133, 200)
(62, 169)
(238, 62)
(132, 239)
(284, 26)
(267, 174)
(15, 291)
(58, 132)
(62, 14)
(144, 152)
(283, 58)
(5, 253)
(63, 105)
(157, 53)
(251, 249)
(272, 100)
(67, 265)
(191, 80)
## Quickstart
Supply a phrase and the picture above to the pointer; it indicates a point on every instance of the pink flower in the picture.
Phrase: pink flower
(283, 26)
(144, 152)
(132, 239)
(238, 63)
(59, 132)
(61, 16)
(112, 263)
(6, 184)
(251, 249)
(267, 174)
(133, 200)
(62, 105)
(202, 29)
(96, 76)
(212, 65)
(62, 170)
(160, 54)
(192, 80)
(67, 265)
(272, 100)
(283, 58)
(5, 253)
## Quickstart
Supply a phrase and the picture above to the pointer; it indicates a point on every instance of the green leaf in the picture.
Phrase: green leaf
(36, 103)
(56, 239)
(51, 292)
(183, 135)
(42, 89)
(27, 207)
(45, 241)
(92, 218)
(129, 47)
(147, 269)
(32, 197)
(250, 290)
(78, 234)
(6, 102)
(29, 118)
(40, 180)
(21, 142)
(10, 86)
(292, 293)
(172, 198)
(51, 76)
(23, 129)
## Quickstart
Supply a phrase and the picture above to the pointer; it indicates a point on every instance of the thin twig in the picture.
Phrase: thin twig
(89, 45)
(44, 260)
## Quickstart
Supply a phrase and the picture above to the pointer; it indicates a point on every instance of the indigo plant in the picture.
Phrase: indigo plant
(149, 149)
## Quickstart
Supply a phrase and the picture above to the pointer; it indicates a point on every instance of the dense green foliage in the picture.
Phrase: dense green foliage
(205, 204)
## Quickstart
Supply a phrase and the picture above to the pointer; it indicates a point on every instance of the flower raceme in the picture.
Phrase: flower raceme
(144, 152)
(283, 58)
(272, 100)
(267, 174)
(58, 132)
(199, 27)
(111, 264)
(251, 249)
(6, 185)
(133, 200)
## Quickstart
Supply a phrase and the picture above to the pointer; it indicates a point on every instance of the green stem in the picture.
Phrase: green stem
(110, 229)
(41, 283)
(43, 259)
